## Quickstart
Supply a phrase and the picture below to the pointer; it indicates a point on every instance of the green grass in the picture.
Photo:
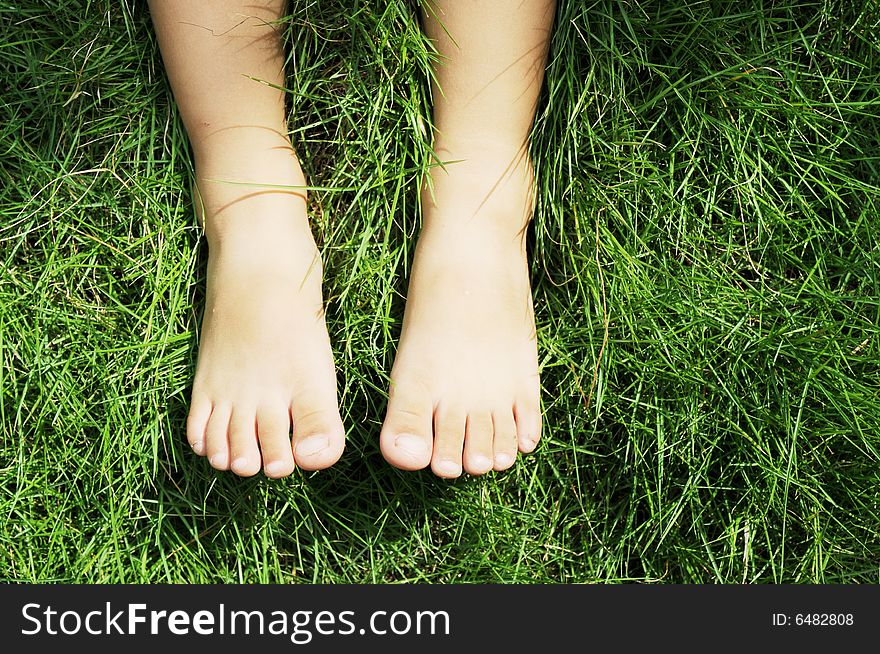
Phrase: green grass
(706, 270)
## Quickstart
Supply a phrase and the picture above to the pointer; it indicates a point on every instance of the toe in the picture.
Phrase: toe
(197, 423)
(478, 455)
(528, 421)
(273, 433)
(505, 440)
(318, 434)
(244, 453)
(449, 429)
(217, 437)
(406, 438)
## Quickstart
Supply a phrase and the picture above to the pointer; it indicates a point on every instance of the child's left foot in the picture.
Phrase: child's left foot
(465, 392)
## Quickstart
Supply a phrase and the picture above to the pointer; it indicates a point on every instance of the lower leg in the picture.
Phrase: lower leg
(265, 367)
(225, 62)
(487, 83)
(465, 389)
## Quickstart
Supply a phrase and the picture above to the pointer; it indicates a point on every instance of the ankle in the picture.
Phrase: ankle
(249, 188)
(247, 154)
(267, 249)
(491, 185)
(483, 147)
(221, 141)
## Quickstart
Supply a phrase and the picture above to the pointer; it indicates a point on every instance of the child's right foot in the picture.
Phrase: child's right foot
(265, 367)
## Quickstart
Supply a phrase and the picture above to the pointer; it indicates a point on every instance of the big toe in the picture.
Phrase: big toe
(318, 434)
(406, 438)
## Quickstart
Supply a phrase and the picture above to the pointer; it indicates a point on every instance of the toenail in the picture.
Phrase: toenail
(240, 463)
(412, 445)
(503, 460)
(312, 445)
(198, 447)
(481, 462)
(528, 443)
(218, 460)
(447, 467)
(275, 469)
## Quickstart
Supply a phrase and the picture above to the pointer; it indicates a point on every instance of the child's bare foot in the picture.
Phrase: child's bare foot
(465, 391)
(265, 365)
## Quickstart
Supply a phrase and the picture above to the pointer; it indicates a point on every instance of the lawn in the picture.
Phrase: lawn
(706, 273)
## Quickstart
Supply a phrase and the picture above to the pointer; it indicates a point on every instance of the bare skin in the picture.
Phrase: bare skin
(465, 388)
(465, 391)
(264, 396)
